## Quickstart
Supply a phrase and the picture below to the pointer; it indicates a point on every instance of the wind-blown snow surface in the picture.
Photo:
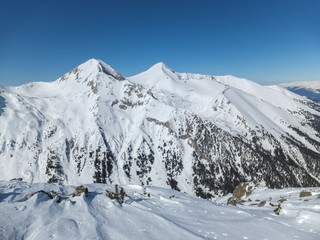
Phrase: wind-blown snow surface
(195, 133)
(167, 214)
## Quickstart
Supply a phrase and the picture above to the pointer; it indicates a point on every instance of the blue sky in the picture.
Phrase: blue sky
(265, 41)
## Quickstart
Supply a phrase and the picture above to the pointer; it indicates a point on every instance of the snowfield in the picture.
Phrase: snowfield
(165, 214)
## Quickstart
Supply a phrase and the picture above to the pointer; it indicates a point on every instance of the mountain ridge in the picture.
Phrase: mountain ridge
(190, 132)
(303, 84)
(309, 89)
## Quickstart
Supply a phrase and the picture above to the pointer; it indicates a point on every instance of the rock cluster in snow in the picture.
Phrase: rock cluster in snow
(160, 214)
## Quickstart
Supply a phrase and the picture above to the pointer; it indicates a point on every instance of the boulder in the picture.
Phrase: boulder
(81, 189)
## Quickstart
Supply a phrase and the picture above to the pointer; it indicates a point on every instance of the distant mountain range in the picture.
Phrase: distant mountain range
(195, 133)
(308, 89)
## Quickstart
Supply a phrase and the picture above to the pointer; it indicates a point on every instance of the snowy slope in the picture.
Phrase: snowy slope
(201, 94)
(166, 214)
(304, 84)
(310, 89)
(195, 133)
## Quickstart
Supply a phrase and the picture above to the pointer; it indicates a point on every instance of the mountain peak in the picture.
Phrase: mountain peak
(159, 72)
(101, 66)
(107, 69)
(178, 130)
(160, 66)
(92, 67)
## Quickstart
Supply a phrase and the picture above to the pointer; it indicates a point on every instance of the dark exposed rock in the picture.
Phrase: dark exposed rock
(305, 194)
(281, 200)
(242, 190)
(81, 189)
(232, 201)
(262, 203)
(16, 179)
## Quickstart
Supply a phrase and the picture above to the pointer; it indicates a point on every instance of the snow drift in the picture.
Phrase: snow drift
(165, 214)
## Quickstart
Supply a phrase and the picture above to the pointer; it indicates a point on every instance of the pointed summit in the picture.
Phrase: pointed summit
(160, 67)
(96, 65)
(158, 73)
(92, 67)
(107, 69)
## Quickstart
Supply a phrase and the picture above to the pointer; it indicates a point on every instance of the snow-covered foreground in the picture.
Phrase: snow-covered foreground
(166, 214)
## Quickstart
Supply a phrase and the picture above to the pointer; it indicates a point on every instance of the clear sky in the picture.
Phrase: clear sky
(267, 41)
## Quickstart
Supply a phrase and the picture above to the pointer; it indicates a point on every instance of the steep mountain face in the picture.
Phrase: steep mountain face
(309, 89)
(190, 132)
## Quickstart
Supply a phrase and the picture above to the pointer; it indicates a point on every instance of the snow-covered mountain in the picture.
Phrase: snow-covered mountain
(310, 89)
(195, 133)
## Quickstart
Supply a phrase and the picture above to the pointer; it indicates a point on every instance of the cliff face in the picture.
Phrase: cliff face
(190, 132)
